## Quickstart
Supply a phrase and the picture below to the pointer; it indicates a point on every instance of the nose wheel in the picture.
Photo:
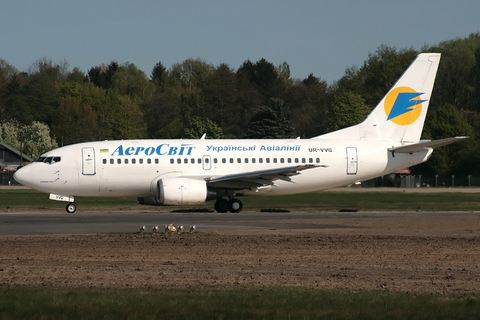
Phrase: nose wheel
(71, 207)
(233, 205)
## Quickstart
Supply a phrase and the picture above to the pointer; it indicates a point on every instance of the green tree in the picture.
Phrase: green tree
(77, 122)
(117, 116)
(95, 98)
(7, 73)
(187, 81)
(159, 73)
(102, 76)
(15, 105)
(220, 96)
(69, 89)
(163, 119)
(308, 101)
(268, 80)
(377, 74)
(197, 127)
(76, 75)
(132, 82)
(457, 78)
(347, 109)
(126, 122)
(446, 122)
(271, 122)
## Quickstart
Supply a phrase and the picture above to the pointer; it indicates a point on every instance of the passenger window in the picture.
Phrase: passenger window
(199, 160)
(185, 160)
(112, 161)
(126, 161)
(310, 160)
(296, 160)
(192, 161)
(303, 160)
(215, 160)
(207, 160)
(104, 161)
(239, 160)
(246, 160)
(224, 160)
(119, 161)
(156, 161)
(179, 161)
(231, 160)
(149, 161)
(289, 160)
(318, 160)
(274, 160)
(253, 160)
(172, 161)
(134, 161)
(260, 160)
(140, 161)
(282, 160)
(268, 160)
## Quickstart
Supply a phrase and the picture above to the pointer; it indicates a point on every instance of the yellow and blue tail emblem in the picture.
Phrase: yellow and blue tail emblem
(403, 106)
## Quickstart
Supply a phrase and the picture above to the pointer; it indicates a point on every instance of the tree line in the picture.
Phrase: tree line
(256, 100)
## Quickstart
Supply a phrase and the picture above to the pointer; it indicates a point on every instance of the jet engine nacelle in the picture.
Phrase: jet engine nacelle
(181, 191)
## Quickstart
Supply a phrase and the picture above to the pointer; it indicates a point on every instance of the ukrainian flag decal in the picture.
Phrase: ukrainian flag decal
(103, 150)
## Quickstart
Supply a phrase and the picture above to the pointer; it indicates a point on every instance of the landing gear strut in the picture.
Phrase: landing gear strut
(233, 205)
(71, 207)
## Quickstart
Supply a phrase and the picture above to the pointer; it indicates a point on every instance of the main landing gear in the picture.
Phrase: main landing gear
(233, 205)
(71, 207)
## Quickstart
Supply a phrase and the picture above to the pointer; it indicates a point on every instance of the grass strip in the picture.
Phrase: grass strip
(310, 202)
(214, 303)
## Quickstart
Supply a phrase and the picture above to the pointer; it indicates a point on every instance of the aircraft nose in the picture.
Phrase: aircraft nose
(23, 176)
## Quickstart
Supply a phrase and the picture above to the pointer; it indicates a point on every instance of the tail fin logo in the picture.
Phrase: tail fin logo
(403, 106)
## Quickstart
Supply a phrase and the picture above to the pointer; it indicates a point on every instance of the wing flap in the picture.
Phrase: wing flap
(256, 179)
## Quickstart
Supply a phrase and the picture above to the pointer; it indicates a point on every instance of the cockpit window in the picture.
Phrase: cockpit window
(49, 160)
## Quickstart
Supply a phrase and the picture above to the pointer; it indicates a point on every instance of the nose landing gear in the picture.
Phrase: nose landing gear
(71, 207)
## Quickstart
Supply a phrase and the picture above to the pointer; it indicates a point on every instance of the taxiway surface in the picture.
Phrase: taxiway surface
(101, 222)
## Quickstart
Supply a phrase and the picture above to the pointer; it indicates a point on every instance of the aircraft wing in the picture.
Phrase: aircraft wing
(416, 147)
(255, 179)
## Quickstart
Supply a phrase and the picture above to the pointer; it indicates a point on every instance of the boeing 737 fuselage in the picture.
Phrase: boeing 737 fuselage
(191, 172)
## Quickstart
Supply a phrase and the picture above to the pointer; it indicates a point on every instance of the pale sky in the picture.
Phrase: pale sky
(319, 37)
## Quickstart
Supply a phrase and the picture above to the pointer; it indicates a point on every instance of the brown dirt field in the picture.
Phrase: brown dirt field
(444, 259)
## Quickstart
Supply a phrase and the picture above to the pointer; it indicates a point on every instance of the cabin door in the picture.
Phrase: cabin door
(352, 161)
(88, 161)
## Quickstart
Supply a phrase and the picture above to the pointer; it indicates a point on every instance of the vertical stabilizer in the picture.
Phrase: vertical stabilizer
(400, 115)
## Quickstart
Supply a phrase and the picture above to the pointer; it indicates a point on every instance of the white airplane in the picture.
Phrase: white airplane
(190, 172)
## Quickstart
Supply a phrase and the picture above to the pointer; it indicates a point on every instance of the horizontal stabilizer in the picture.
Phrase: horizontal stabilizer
(421, 146)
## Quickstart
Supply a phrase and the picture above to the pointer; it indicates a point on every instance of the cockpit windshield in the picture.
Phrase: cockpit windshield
(49, 160)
